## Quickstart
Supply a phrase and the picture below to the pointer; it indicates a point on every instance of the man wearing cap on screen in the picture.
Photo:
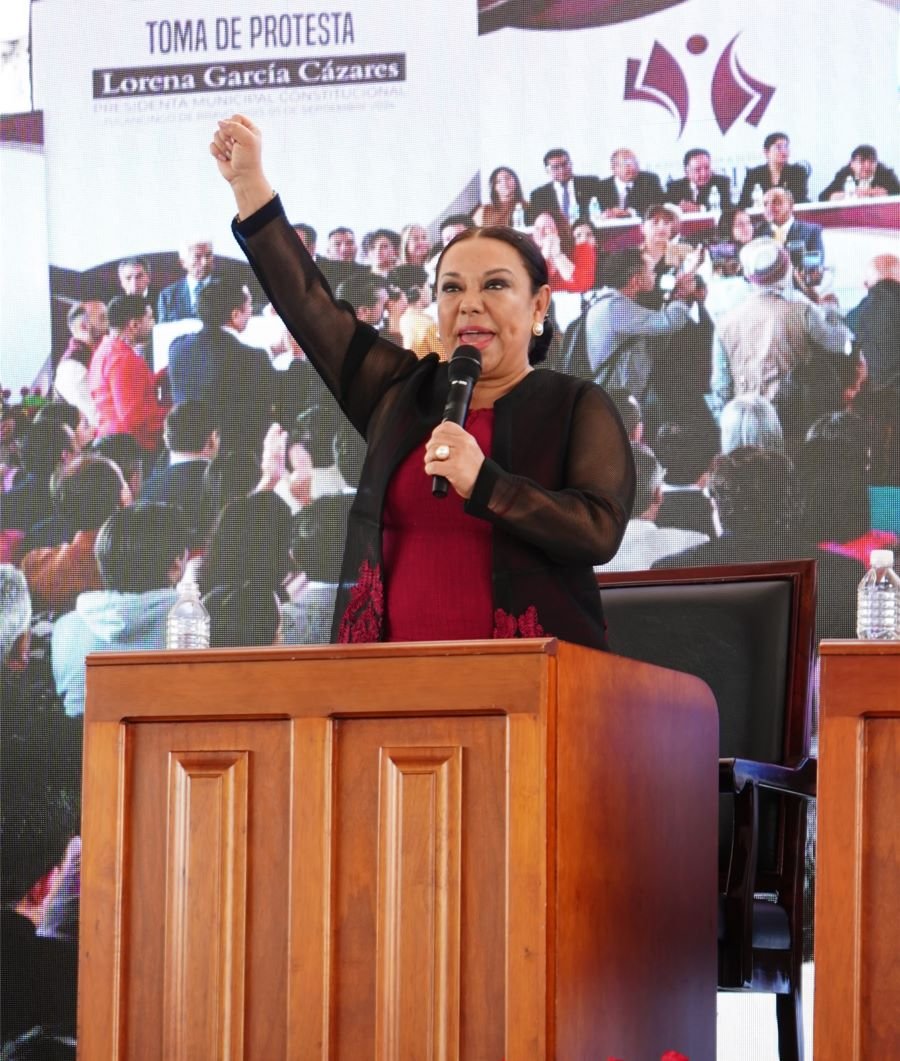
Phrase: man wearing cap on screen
(775, 328)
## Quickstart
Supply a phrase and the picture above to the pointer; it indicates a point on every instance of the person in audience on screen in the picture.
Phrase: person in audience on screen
(140, 553)
(630, 191)
(566, 196)
(375, 302)
(798, 237)
(541, 478)
(43, 450)
(584, 232)
(644, 540)
(776, 172)
(230, 474)
(39, 813)
(863, 177)
(759, 501)
(340, 262)
(123, 389)
(415, 246)
(834, 466)
(575, 271)
(243, 615)
(381, 251)
(192, 441)
(818, 387)
(686, 451)
(308, 236)
(88, 323)
(617, 325)
(629, 409)
(318, 532)
(215, 366)
(691, 193)
(251, 542)
(179, 300)
(134, 278)
(418, 329)
(750, 420)
(85, 494)
(451, 227)
(775, 328)
(123, 450)
(61, 412)
(876, 322)
(54, 530)
(661, 230)
(722, 266)
(505, 194)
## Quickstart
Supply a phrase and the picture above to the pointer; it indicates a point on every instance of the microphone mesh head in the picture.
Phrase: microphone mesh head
(465, 364)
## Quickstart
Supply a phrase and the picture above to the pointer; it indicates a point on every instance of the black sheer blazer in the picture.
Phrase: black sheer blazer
(557, 487)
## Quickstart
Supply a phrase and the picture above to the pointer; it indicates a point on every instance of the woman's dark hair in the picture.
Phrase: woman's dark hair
(725, 227)
(123, 450)
(756, 492)
(43, 446)
(534, 264)
(228, 475)
(58, 413)
(87, 491)
(773, 139)
(518, 195)
(319, 529)
(242, 615)
(137, 546)
(250, 541)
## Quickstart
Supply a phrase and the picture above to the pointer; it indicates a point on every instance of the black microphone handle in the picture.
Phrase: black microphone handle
(455, 411)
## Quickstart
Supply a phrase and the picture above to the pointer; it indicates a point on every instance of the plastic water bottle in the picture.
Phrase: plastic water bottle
(757, 197)
(714, 203)
(594, 212)
(878, 600)
(518, 217)
(850, 187)
(187, 624)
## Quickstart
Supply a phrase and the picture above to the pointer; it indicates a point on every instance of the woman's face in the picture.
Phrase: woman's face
(742, 227)
(485, 300)
(505, 185)
(417, 245)
(544, 227)
(779, 152)
(584, 233)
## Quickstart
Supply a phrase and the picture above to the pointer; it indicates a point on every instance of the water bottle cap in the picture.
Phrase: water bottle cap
(881, 558)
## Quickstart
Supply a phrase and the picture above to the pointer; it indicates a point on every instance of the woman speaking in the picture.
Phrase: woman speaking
(541, 477)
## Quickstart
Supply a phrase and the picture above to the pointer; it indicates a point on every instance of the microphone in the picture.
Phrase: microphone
(464, 369)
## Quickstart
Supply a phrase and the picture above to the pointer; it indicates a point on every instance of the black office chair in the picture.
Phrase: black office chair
(748, 631)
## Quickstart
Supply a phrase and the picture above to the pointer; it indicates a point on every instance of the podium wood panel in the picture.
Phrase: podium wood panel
(857, 1016)
(476, 850)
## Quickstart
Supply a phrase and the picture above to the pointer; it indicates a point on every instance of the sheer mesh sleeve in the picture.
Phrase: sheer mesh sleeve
(355, 363)
(583, 521)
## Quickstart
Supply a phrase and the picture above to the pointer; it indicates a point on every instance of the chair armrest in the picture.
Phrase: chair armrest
(799, 780)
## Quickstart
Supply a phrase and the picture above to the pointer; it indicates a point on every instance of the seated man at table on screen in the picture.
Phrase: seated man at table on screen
(863, 177)
(699, 188)
(630, 191)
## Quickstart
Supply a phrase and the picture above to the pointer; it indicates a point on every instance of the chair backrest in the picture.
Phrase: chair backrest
(748, 631)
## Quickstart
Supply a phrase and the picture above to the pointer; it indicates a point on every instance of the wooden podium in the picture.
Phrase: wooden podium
(857, 1013)
(480, 850)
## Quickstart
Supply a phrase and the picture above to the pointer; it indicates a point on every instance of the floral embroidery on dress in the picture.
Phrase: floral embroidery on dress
(525, 625)
(363, 618)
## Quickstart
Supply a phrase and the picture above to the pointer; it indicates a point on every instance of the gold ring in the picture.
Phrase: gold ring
(442, 453)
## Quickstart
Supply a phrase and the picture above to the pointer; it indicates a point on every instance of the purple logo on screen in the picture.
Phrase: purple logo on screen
(733, 92)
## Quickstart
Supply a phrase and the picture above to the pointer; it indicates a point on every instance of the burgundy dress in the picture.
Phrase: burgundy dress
(429, 541)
